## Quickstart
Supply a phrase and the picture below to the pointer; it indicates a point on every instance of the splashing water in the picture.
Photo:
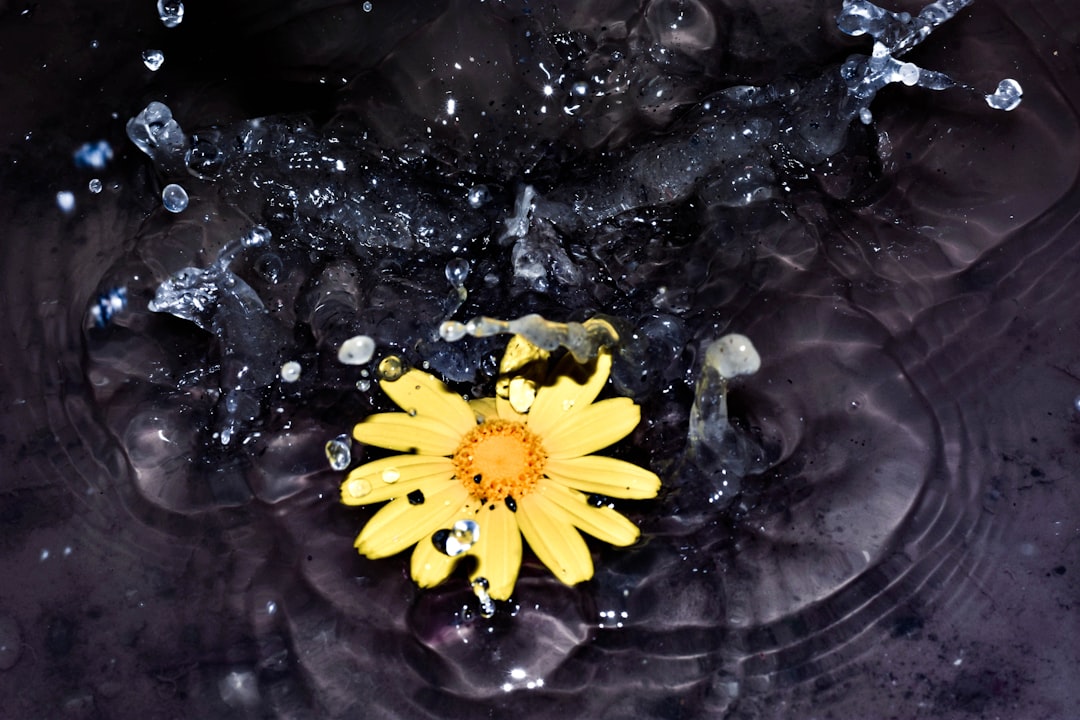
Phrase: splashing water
(656, 171)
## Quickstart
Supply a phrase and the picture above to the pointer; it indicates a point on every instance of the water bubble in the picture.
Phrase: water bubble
(357, 350)
(269, 266)
(339, 452)
(391, 475)
(153, 59)
(65, 200)
(1076, 403)
(1007, 96)
(174, 198)
(367, 6)
(478, 196)
(487, 605)
(456, 272)
(171, 12)
(259, 235)
(93, 155)
(95, 186)
(391, 368)
(290, 371)
(358, 488)
(204, 159)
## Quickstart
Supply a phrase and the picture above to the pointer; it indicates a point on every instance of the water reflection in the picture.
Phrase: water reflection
(904, 532)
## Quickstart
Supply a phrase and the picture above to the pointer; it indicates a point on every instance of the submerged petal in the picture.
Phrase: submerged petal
(603, 475)
(401, 522)
(602, 523)
(554, 539)
(420, 393)
(401, 431)
(592, 428)
(498, 551)
(428, 566)
(572, 388)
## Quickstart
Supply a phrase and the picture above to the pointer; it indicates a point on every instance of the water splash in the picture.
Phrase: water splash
(583, 340)
(895, 34)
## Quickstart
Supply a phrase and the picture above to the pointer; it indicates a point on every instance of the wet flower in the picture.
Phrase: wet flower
(480, 476)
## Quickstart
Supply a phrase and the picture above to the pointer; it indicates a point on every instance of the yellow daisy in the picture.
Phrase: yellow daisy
(479, 476)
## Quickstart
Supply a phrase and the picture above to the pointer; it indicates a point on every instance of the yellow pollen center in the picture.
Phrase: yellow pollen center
(499, 459)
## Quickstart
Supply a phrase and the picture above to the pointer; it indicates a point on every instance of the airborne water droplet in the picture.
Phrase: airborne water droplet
(174, 198)
(290, 371)
(1007, 96)
(487, 605)
(357, 350)
(153, 59)
(259, 235)
(456, 272)
(171, 12)
(339, 452)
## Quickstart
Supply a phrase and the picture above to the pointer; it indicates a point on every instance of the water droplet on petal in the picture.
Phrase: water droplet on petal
(358, 488)
(459, 539)
(339, 452)
(391, 368)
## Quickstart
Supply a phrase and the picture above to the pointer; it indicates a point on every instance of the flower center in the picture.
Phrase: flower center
(499, 459)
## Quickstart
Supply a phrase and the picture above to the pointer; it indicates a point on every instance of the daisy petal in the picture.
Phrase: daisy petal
(604, 475)
(554, 540)
(401, 431)
(506, 411)
(592, 428)
(484, 408)
(428, 566)
(602, 523)
(393, 477)
(498, 551)
(574, 387)
(400, 523)
(419, 392)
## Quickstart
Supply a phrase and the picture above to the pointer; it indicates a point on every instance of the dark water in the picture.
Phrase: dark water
(901, 540)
